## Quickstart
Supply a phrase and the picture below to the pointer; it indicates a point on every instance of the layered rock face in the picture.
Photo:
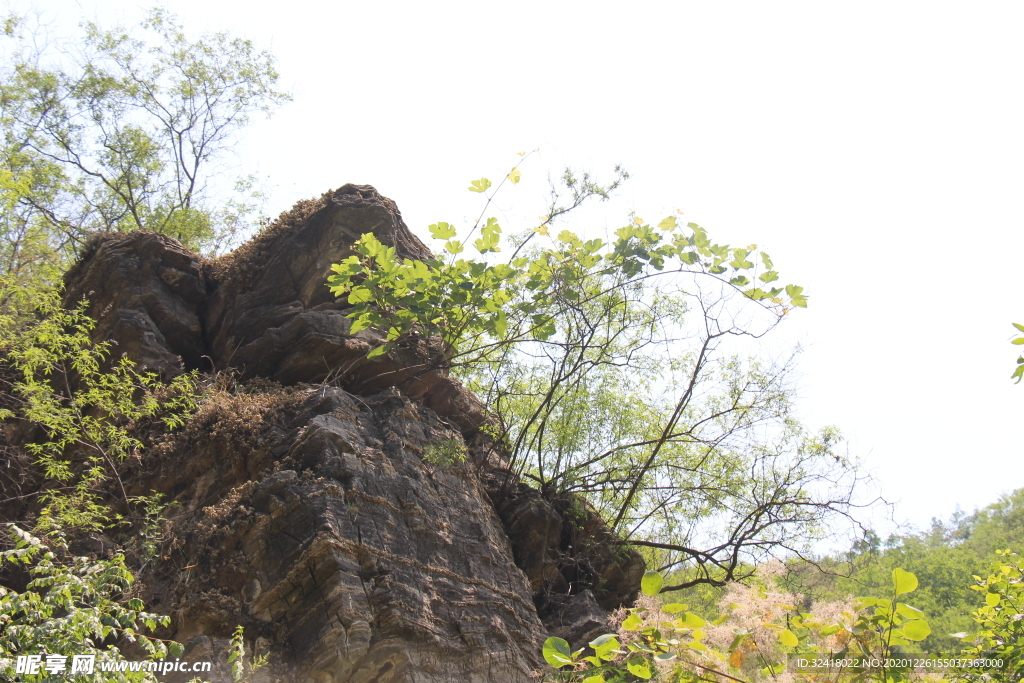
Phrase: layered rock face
(348, 512)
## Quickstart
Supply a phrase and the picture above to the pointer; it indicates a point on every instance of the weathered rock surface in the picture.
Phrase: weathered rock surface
(579, 621)
(351, 555)
(310, 503)
(145, 291)
(273, 315)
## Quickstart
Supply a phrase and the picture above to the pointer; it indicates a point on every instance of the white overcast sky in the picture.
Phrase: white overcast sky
(875, 149)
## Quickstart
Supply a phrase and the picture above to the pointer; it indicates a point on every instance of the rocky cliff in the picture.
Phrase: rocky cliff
(316, 498)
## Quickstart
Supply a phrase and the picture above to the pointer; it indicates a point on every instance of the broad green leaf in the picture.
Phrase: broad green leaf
(639, 669)
(381, 350)
(605, 646)
(796, 295)
(1018, 326)
(909, 612)
(992, 599)
(442, 231)
(651, 583)
(360, 295)
(668, 223)
(632, 622)
(514, 176)
(556, 652)
(673, 608)
(501, 325)
(868, 601)
(596, 678)
(788, 638)
(692, 621)
(569, 237)
(479, 185)
(903, 581)
(916, 629)
(756, 293)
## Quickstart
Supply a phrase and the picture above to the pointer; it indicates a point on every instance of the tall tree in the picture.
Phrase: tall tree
(122, 133)
(608, 364)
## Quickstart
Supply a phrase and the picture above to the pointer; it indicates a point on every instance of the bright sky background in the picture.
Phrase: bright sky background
(874, 149)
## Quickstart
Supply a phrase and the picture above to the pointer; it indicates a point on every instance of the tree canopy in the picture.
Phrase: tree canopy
(123, 133)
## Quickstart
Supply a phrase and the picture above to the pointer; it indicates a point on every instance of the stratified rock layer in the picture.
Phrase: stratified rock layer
(145, 291)
(347, 551)
(318, 503)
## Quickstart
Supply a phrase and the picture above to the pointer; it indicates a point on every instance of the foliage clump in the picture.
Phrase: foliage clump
(123, 136)
(446, 453)
(72, 606)
(80, 405)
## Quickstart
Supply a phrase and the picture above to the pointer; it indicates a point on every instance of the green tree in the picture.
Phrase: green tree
(760, 627)
(80, 403)
(606, 363)
(944, 557)
(120, 132)
(1000, 621)
(74, 408)
(122, 135)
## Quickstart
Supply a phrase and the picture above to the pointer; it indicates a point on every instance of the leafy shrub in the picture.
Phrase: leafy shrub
(71, 606)
(81, 403)
(445, 453)
(668, 642)
(1000, 620)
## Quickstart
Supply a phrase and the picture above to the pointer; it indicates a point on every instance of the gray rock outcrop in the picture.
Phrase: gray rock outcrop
(314, 497)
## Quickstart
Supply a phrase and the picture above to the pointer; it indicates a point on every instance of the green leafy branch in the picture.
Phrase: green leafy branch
(473, 304)
(82, 404)
(1019, 372)
(72, 606)
(1000, 620)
